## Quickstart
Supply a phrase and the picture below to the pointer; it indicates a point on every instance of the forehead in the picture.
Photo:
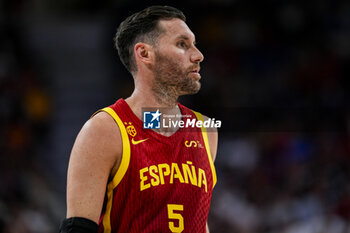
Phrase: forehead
(175, 28)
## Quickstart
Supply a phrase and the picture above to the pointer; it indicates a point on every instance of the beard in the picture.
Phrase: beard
(171, 80)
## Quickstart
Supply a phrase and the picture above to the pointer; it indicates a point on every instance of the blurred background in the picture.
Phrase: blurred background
(274, 73)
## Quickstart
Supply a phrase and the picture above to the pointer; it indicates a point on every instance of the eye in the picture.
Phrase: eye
(182, 44)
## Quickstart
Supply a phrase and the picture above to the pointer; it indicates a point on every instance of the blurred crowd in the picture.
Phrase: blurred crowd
(277, 172)
(283, 182)
(28, 202)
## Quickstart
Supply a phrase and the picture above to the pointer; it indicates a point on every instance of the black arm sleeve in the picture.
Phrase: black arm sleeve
(78, 225)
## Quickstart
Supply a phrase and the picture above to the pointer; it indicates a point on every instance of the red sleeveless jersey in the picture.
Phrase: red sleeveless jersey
(163, 184)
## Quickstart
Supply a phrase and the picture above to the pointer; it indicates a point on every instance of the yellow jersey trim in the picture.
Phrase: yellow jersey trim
(121, 170)
(207, 147)
(126, 149)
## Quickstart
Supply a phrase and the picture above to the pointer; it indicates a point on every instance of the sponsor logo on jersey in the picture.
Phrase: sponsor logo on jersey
(135, 142)
(193, 144)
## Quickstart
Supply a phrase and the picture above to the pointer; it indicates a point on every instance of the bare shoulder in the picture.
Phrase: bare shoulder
(102, 124)
(100, 138)
(213, 139)
(102, 128)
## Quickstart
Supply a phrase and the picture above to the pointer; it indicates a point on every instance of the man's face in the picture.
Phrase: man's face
(177, 60)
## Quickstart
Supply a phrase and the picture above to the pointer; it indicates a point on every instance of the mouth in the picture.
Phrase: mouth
(196, 70)
(195, 73)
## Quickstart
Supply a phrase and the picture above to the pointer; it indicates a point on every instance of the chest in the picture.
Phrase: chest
(173, 164)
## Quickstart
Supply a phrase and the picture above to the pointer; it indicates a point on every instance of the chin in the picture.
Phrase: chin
(197, 87)
(194, 89)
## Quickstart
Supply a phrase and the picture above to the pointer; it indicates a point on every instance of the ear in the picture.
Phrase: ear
(143, 52)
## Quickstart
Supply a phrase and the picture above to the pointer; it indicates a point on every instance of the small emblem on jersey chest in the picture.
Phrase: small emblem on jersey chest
(193, 143)
(130, 129)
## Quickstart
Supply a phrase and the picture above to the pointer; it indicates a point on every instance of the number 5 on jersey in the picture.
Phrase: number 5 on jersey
(176, 221)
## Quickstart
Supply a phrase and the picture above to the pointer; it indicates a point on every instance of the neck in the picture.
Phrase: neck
(149, 93)
(165, 98)
(148, 98)
(143, 98)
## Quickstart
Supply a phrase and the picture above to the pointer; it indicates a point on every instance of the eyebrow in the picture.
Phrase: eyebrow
(186, 38)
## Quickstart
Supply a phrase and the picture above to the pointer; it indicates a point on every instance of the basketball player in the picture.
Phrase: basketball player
(124, 178)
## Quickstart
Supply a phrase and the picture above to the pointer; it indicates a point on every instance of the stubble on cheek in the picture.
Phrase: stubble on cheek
(173, 80)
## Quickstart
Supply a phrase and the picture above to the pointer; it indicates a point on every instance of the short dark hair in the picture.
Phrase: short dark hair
(142, 27)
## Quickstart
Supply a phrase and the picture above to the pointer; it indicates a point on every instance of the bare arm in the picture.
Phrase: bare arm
(95, 156)
(213, 144)
(213, 140)
(207, 229)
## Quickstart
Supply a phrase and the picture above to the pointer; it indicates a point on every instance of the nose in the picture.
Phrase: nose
(197, 56)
